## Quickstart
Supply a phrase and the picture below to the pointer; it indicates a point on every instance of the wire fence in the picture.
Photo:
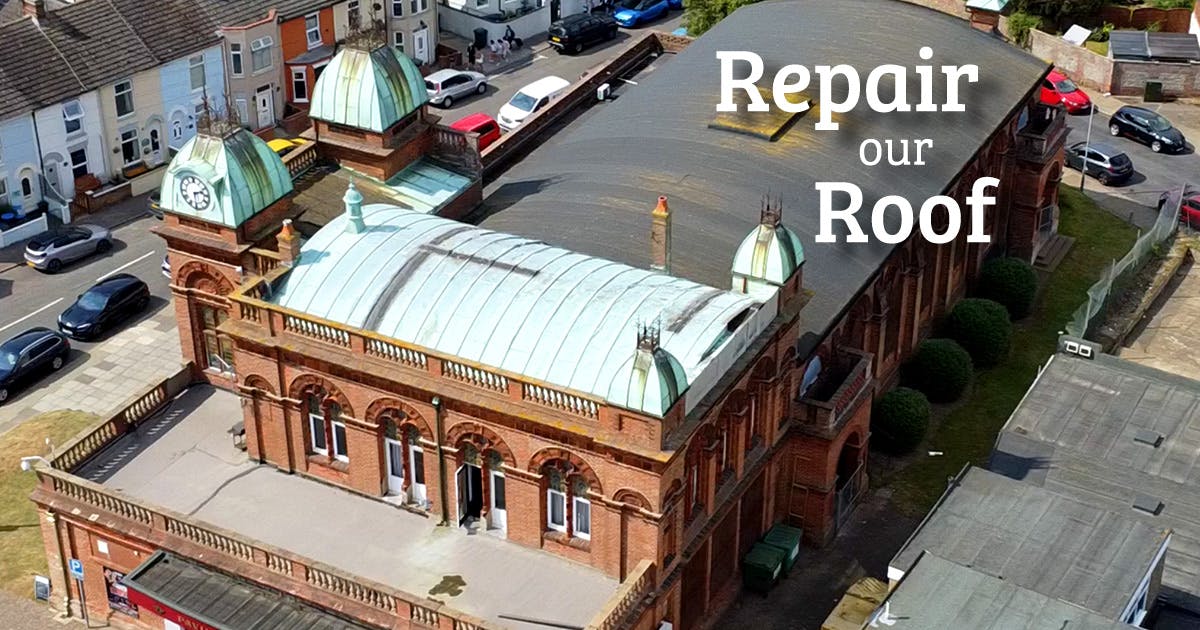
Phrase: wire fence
(1100, 293)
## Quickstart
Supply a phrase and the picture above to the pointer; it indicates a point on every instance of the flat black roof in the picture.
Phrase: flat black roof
(222, 601)
(591, 187)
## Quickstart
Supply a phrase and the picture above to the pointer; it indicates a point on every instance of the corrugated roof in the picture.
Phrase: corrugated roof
(586, 188)
(503, 301)
(1145, 46)
(938, 593)
(368, 90)
(1076, 433)
(1039, 540)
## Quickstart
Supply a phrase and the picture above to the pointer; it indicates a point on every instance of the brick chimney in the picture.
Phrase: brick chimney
(660, 237)
(288, 243)
(34, 8)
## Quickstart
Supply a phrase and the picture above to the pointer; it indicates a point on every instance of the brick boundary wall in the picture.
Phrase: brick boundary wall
(1138, 18)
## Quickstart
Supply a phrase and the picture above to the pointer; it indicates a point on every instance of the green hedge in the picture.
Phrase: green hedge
(981, 326)
(940, 368)
(899, 421)
(1011, 282)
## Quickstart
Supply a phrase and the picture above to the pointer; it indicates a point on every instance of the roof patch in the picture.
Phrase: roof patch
(768, 125)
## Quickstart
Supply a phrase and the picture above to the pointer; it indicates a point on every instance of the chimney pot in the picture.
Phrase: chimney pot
(288, 243)
(34, 8)
(660, 237)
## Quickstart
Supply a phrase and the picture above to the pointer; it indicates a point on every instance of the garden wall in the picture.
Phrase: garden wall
(1179, 79)
(29, 229)
(1140, 18)
(1082, 65)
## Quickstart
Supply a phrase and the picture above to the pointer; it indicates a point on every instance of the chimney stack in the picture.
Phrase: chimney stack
(34, 8)
(288, 243)
(353, 200)
(660, 237)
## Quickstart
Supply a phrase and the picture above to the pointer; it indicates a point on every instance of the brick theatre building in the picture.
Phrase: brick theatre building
(639, 359)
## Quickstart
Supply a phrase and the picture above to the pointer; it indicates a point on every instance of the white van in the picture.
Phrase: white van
(530, 99)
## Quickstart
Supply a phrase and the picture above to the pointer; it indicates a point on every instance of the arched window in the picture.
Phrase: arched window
(327, 431)
(568, 509)
(26, 186)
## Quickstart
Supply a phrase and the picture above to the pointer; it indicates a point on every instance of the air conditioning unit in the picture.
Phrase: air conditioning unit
(603, 92)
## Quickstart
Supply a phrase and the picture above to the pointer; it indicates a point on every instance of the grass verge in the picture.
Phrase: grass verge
(968, 430)
(20, 536)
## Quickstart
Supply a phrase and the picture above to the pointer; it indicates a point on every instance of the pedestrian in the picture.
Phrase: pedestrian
(471, 55)
(495, 49)
(509, 34)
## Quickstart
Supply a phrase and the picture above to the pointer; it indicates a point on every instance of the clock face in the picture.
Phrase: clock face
(195, 192)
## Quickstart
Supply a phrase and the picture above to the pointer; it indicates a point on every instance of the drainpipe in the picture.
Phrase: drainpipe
(441, 438)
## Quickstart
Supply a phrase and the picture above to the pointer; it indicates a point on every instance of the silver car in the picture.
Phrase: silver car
(446, 86)
(51, 250)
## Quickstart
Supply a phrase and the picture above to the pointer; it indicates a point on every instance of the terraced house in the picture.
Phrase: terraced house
(581, 409)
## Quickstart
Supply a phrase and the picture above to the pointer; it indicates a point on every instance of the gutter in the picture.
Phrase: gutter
(441, 439)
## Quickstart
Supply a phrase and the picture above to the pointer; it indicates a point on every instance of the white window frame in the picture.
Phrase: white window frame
(71, 159)
(341, 451)
(299, 77)
(310, 31)
(261, 46)
(550, 496)
(118, 93)
(398, 40)
(237, 63)
(75, 117)
(196, 62)
(398, 8)
(353, 12)
(578, 502)
(137, 146)
(418, 6)
(313, 420)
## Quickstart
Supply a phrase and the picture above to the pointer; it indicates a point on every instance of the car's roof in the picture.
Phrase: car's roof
(1100, 147)
(467, 123)
(442, 75)
(114, 283)
(23, 339)
(571, 19)
(1055, 75)
(545, 85)
(1135, 108)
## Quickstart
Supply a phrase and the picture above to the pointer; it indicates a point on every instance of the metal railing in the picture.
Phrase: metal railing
(847, 496)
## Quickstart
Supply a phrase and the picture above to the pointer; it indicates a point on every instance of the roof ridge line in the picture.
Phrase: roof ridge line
(132, 30)
(38, 25)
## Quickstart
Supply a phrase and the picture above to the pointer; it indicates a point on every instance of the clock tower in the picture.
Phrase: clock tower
(223, 196)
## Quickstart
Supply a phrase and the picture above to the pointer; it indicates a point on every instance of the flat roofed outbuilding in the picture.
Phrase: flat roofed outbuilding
(590, 188)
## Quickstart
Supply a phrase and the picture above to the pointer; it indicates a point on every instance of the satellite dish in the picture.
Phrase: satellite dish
(811, 373)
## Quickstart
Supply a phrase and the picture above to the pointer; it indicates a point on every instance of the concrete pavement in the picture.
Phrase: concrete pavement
(22, 614)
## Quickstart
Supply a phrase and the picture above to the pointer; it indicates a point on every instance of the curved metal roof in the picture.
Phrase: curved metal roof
(243, 173)
(656, 380)
(509, 302)
(368, 90)
(771, 252)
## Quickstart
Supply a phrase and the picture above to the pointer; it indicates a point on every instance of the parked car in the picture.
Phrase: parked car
(284, 146)
(49, 250)
(482, 124)
(30, 355)
(446, 86)
(1057, 88)
(166, 266)
(530, 99)
(1107, 164)
(676, 4)
(1189, 210)
(1147, 127)
(575, 32)
(631, 13)
(154, 202)
(102, 307)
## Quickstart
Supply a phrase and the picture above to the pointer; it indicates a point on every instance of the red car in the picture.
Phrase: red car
(481, 124)
(1189, 210)
(1057, 88)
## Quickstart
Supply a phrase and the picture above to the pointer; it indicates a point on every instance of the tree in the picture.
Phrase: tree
(701, 15)
(1058, 11)
(899, 420)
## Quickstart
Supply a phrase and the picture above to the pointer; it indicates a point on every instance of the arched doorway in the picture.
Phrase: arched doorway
(851, 478)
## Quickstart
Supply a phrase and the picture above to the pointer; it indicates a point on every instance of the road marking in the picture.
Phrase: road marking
(10, 325)
(540, 57)
(130, 263)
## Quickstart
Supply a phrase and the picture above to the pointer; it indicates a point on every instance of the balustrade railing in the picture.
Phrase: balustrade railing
(827, 413)
(301, 159)
(475, 376)
(399, 354)
(560, 400)
(316, 330)
(265, 260)
(628, 599)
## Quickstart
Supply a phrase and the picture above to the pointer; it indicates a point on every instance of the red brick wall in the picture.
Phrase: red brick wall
(1178, 79)
(294, 42)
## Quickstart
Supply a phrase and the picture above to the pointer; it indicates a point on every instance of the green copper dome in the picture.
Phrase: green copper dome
(224, 179)
(368, 90)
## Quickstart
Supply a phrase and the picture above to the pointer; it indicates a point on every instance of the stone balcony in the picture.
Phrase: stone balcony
(833, 398)
(1043, 136)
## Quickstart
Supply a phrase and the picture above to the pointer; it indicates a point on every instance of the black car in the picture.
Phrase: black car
(1107, 164)
(574, 32)
(30, 355)
(106, 304)
(1147, 127)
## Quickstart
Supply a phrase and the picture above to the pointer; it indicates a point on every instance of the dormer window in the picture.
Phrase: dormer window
(72, 116)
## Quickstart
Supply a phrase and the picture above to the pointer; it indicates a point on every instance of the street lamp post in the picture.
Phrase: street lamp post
(1087, 147)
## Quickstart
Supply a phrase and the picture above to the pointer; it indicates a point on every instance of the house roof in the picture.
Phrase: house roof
(1113, 433)
(590, 187)
(222, 601)
(92, 43)
(229, 13)
(938, 593)
(1036, 539)
(507, 302)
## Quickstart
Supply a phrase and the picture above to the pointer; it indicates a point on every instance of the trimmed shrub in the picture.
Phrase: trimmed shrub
(940, 368)
(982, 328)
(899, 420)
(1011, 282)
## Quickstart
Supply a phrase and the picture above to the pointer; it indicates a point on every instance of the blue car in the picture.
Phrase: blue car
(675, 4)
(631, 13)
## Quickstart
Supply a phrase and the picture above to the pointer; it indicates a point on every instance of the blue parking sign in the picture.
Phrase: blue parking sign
(76, 569)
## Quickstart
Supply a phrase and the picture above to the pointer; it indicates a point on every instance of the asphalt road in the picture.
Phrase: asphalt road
(29, 297)
(1154, 172)
(501, 87)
